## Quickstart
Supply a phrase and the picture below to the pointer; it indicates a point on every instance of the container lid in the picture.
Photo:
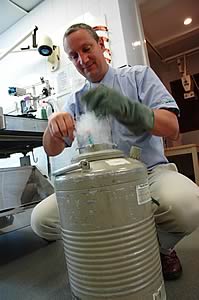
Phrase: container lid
(98, 152)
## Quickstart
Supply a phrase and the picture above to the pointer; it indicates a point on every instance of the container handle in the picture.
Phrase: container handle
(83, 164)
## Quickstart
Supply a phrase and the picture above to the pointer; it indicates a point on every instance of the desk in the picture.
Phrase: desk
(192, 149)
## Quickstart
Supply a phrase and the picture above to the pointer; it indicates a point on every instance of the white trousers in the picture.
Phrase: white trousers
(176, 216)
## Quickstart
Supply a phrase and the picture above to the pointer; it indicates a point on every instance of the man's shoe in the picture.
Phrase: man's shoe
(171, 266)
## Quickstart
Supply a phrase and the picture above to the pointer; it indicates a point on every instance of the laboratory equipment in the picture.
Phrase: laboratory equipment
(24, 186)
(108, 229)
(46, 48)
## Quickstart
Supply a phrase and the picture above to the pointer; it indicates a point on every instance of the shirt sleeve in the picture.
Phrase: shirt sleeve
(152, 92)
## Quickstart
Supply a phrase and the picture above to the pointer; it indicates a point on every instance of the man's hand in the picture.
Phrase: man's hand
(105, 101)
(60, 126)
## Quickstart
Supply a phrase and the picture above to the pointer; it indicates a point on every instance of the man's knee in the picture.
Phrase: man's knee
(179, 212)
(38, 220)
(45, 219)
(187, 215)
(178, 197)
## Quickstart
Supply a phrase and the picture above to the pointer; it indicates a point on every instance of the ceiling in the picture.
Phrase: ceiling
(11, 11)
(164, 29)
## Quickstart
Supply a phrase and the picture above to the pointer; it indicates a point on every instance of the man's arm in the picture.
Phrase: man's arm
(165, 124)
(60, 126)
(138, 117)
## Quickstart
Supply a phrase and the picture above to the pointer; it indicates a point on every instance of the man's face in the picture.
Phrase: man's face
(86, 54)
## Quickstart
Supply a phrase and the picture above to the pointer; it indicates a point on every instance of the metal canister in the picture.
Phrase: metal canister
(108, 229)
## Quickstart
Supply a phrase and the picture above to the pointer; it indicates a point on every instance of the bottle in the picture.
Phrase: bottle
(44, 114)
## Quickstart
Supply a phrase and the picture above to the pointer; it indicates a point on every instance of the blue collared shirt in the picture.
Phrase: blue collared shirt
(138, 83)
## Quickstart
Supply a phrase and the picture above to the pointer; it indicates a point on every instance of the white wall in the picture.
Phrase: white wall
(53, 17)
(133, 33)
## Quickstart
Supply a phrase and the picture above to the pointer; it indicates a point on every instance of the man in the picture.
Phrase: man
(141, 112)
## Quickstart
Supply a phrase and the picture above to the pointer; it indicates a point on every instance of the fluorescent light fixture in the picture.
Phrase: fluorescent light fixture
(187, 21)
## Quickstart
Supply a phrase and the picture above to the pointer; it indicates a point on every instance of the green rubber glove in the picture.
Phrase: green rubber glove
(105, 101)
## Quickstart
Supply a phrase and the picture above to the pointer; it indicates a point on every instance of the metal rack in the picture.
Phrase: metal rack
(25, 186)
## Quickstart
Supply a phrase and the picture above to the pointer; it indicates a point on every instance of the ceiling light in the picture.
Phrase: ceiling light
(187, 21)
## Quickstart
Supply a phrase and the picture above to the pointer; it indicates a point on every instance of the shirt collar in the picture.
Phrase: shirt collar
(107, 80)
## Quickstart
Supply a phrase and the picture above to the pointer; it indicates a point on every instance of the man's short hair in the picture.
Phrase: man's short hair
(76, 27)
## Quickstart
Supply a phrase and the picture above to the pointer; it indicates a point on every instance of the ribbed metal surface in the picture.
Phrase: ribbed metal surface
(108, 231)
(114, 262)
